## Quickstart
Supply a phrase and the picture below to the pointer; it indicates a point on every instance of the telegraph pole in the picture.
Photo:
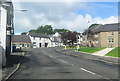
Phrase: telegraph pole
(87, 33)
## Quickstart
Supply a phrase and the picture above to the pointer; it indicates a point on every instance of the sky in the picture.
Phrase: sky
(69, 15)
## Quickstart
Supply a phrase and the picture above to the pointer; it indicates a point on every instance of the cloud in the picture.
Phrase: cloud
(65, 1)
(109, 20)
(59, 15)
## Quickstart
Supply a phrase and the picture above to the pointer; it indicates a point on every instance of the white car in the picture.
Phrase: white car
(17, 47)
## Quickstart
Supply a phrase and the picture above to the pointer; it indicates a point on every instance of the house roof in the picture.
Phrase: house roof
(21, 38)
(50, 35)
(103, 28)
(38, 35)
(55, 40)
(107, 27)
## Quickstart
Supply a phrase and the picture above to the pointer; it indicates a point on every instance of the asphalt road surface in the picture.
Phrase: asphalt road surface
(48, 63)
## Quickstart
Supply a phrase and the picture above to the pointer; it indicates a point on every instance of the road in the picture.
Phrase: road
(48, 63)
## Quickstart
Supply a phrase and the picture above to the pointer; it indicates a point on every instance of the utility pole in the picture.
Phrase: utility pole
(87, 33)
(77, 42)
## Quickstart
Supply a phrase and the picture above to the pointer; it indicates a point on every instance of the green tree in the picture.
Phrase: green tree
(35, 31)
(47, 29)
(60, 30)
(23, 33)
(94, 25)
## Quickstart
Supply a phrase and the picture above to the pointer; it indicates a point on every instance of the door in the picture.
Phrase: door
(46, 44)
(39, 44)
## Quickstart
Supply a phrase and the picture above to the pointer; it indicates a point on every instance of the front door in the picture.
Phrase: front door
(46, 44)
(40, 45)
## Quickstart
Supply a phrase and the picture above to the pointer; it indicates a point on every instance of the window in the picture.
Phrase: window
(110, 40)
(27, 45)
(34, 42)
(110, 33)
(56, 43)
(22, 45)
(96, 41)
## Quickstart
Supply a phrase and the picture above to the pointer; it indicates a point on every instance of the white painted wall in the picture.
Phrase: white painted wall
(3, 23)
(38, 41)
(58, 37)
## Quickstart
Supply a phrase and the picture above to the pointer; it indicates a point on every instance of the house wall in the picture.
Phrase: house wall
(39, 40)
(104, 36)
(101, 39)
(3, 23)
(19, 44)
(119, 39)
(57, 43)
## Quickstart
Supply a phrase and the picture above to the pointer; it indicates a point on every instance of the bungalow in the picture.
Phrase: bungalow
(21, 41)
(102, 36)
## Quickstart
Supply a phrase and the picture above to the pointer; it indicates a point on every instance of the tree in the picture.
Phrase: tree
(94, 25)
(23, 33)
(60, 30)
(71, 36)
(47, 29)
(35, 31)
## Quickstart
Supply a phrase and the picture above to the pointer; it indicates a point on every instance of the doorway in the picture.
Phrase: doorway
(46, 44)
(39, 44)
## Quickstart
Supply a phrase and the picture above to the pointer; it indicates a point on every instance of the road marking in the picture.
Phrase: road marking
(49, 55)
(94, 73)
(65, 62)
(87, 71)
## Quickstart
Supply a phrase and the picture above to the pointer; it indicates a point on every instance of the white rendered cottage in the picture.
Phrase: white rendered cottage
(56, 40)
(39, 40)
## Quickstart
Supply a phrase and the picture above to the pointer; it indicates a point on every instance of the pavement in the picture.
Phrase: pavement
(49, 63)
(103, 52)
(12, 64)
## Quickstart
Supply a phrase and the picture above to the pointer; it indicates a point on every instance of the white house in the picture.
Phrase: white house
(56, 40)
(3, 23)
(39, 40)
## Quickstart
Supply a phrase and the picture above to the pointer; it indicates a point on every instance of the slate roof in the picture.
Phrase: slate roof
(50, 35)
(107, 27)
(38, 35)
(21, 38)
(103, 28)
(55, 40)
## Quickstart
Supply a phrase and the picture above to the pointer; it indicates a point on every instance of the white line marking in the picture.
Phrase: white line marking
(49, 55)
(94, 73)
(65, 62)
(87, 71)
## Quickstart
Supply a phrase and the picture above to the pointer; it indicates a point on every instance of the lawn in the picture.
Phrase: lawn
(90, 49)
(114, 52)
(86, 49)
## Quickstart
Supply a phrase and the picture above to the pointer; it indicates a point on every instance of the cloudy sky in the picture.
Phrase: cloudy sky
(69, 15)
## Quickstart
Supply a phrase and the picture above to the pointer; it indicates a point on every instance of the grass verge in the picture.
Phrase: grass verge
(90, 49)
(114, 52)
